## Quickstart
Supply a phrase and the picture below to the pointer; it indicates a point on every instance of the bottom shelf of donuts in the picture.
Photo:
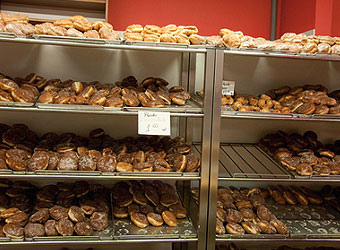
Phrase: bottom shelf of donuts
(277, 212)
(233, 246)
(61, 212)
(149, 210)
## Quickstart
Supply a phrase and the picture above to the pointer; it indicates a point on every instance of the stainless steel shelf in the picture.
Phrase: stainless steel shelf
(248, 162)
(55, 174)
(9, 242)
(191, 109)
(228, 112)
(101, 43)
(282, 54)
(313, 222)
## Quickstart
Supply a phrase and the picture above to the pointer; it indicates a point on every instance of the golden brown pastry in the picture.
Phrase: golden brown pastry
(169, 218)
(288, 37)
(91, 34)
(81, 23)
(167, 38)
(97, 25)
(134, 28)
(324, 48)
(72, 32)
(189, 30)
(152, 30)
(231, 40)
(133, 36)
(197, 39)
(169, 29)
(180, 38)
(65, 23)
(225, 31)
(107, 33)
(151, 38)
(10, 18)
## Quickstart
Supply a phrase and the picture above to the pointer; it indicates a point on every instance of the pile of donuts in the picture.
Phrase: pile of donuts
(64, 209)
(76, 26)
(151, 92)
(290, 42)
(23, 150)
(306, 99)
(147, 203)
(294, 195)
(244, 211)
(304, 154)
(168, 34)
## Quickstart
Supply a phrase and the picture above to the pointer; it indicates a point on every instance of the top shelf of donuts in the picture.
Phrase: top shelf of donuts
(80, 32)
(290, 45)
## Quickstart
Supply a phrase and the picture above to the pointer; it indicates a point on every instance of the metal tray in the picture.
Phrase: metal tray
(189, 107)
(69, 39)
(124, 229)
(7, 35)
(154, 44)
(69, 107)
(16, 104)
(107, 234)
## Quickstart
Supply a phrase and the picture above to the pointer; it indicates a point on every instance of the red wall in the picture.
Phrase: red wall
(250, 16)
(295, 16)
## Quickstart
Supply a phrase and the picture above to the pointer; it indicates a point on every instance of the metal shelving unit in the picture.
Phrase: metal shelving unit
(242, 162)
(184, 115)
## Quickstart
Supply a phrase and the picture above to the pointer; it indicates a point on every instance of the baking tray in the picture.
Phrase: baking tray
(16, 104)
(69, 107)
(312, 222)
(189, 107)
(124, 229)
(154, 44)
(7, 35)
(295, 175)
(107, 234)
(69, 39)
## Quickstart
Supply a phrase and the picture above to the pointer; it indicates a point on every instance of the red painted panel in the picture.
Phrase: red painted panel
(251, 17)
(323, 17)
(336, 18)
(295, 16)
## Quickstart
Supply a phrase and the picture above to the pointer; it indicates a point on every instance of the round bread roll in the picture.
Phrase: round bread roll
(155, 219)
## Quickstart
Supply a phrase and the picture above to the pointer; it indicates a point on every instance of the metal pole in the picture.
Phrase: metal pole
(273, 20)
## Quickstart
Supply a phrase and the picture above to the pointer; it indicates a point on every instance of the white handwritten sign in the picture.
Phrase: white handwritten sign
(153, 123)
(228, 87)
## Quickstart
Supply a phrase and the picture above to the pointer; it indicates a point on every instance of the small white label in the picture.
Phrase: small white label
(153, 123)
(228, 87)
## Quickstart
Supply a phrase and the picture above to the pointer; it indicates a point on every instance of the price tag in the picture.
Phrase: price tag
(228, 87)
(153, 123)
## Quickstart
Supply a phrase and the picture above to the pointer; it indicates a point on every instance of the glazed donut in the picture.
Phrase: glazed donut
(155, 219)
(139, 219)
(280, 226)
(250, 227)
(169, 218)
(234, 228)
